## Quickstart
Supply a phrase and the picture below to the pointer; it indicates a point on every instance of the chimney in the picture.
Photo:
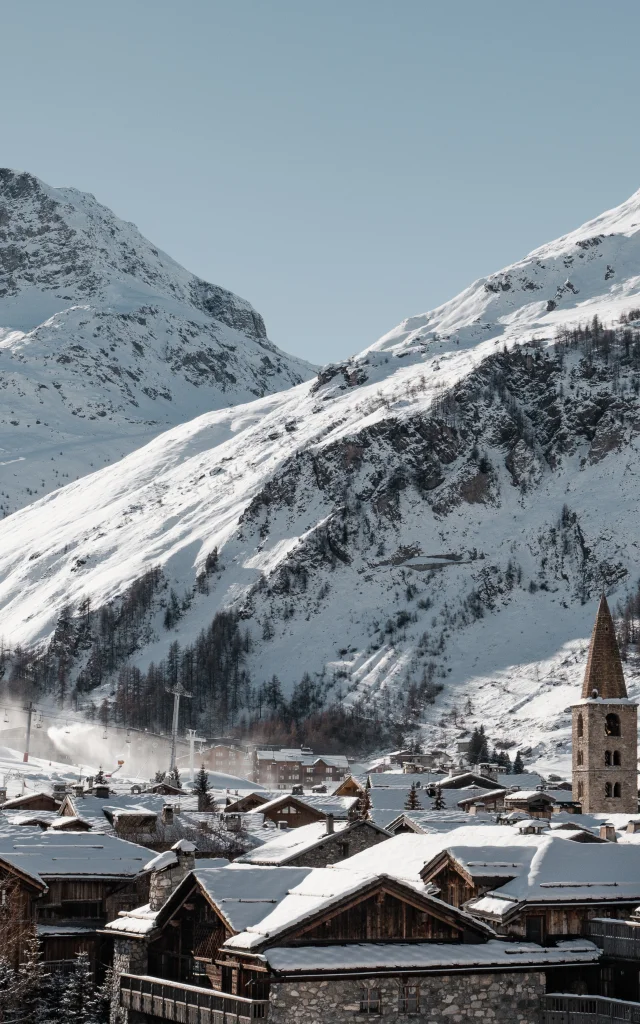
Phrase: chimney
(633, 825)
(167, 814)
(3, 794)
(168, 869)
(329, 824)
(607, 831)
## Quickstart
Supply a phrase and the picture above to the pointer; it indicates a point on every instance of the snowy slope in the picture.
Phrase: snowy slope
(443, 507)
(105, 341)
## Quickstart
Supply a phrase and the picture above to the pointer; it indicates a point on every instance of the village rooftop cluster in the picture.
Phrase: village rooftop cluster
(310, 893)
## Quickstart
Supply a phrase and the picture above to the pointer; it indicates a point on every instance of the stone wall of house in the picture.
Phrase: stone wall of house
(443, 999)
(130, 956)
(332, 850)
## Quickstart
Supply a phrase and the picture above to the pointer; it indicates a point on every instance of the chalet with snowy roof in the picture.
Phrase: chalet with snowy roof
(243, 942)
(317, 845)
(282, 769)
(79, 881)
(40, 801)
(605, 728)
(295, 810)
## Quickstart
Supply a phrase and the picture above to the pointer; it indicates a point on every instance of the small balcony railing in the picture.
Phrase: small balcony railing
(187, 1004)
(570, 1009)
(616, 938)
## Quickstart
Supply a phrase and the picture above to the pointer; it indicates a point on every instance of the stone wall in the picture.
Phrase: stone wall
(443, 999)
(362, 837)
(130, 956)
(590, 774)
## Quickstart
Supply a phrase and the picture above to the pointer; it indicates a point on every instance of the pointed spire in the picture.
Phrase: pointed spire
(604, 667)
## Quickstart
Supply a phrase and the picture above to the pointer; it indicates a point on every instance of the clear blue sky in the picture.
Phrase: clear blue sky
(342, 164)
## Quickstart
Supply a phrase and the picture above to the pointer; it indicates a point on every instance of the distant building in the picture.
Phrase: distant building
(282, 769)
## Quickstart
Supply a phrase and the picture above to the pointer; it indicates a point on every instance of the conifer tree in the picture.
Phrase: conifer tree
(160, 776)
(518, 764)
(412, 803)
(173, 776)
(439, 801)
(202, 790)
(81, 1003)
(100, 779)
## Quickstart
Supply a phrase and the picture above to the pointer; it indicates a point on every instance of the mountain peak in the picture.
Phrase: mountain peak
(105, 340)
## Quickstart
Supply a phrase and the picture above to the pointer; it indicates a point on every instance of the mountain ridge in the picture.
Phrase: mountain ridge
(430, 520)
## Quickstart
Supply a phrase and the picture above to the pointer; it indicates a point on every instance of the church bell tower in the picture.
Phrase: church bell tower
(605, 728)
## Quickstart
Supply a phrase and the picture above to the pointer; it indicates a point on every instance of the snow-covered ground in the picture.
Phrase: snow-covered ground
(267, 482)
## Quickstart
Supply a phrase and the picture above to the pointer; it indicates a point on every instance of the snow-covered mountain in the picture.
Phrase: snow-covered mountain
(105, 341)
(441, 510)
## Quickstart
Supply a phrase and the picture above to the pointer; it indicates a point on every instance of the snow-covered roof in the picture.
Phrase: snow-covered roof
(244, 893)
(76, 855)
(284, 756)
(318, 891)
(593, 871)
(405, 855)
(339, 806)
(291, 843)
(424, 956)
(528, 794)
(139, 922)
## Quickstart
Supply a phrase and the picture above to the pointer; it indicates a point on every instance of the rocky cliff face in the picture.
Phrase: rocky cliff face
(424, 529)
(105, 341)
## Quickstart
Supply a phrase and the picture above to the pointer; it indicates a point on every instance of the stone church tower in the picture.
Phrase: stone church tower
(605, 728)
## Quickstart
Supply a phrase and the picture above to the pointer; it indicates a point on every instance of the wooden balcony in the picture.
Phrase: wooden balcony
(619, 939)
(188, 1004)
(570, 1009)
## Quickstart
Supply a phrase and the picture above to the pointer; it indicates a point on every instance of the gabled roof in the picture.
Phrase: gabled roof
(287, 846)
(322, 803)
(51, 855)
(326, 890)
(600, 872)
(28, 799)
(604, 667)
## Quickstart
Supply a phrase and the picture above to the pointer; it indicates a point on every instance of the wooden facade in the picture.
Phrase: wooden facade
(18, 896)
(457, 885)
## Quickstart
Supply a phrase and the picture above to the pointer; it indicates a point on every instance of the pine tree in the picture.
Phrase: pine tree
(518, 764)
(439, 801)
(173, 776)
(81, 1003)
(100, 779)
(412, 803)
(202, 790)
(478, 748)
(160, 776)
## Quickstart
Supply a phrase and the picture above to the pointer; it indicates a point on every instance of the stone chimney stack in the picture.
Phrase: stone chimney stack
(167, 814)
(607, 831)
(168, 869)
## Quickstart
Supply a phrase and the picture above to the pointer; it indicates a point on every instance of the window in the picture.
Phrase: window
(607, 789)
(580, 791)
(580, 728)
(612, 725)
(616, 758)
(579, 758)
(409, 999)
(344, 849)
(370, 1000)
(617, 789)
(607, 758)
(535, 929)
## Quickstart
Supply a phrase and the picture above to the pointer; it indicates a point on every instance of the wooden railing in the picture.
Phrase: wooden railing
(187, 1004)
(616, 938)
(570, 1009)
